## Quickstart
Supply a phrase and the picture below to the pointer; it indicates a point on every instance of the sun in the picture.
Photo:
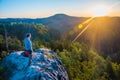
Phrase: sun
(100, 11)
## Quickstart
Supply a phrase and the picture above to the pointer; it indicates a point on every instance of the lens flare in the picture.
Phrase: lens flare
(80, 26)
(85, 22)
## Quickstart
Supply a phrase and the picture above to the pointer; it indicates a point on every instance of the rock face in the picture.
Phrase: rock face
(45, 66)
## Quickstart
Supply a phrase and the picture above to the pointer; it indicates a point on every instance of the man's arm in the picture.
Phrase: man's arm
(30, 45)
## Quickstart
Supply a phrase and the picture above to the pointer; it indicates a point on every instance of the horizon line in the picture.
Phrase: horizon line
(54, 15)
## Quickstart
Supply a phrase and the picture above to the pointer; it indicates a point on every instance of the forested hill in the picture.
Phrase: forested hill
(102, 33)
(60, 22)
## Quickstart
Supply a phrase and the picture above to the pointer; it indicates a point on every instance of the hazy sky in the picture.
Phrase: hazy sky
(44, 8)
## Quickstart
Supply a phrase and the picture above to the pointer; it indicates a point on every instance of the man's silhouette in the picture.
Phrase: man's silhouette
(28, 46)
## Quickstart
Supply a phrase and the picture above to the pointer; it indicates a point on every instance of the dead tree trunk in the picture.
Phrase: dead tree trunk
(6, 39)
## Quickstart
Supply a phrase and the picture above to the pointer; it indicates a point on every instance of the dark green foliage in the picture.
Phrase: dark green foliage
(83, 63)
(3, 54)
(41, 35)
(2, 70)
(116, 70)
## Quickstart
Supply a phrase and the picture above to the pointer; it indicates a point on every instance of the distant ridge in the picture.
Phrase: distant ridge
(59, 15)
(61, 22)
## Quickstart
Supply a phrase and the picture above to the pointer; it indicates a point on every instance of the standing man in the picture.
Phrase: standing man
(28, 46)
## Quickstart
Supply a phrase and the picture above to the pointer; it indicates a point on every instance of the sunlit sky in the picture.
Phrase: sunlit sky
(45, 8)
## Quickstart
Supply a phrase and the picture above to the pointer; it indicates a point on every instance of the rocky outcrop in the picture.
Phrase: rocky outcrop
(45, 66)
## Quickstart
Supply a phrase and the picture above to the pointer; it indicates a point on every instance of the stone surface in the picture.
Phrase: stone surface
(45, 66)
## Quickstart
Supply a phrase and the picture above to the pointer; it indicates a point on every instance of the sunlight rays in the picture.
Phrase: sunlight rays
(88, 20)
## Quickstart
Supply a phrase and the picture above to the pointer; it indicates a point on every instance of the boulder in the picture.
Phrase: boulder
(45, 66)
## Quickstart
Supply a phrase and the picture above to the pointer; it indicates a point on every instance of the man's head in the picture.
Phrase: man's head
(28, 35)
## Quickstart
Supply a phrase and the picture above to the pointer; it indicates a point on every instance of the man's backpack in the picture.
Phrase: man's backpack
(25, 53)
